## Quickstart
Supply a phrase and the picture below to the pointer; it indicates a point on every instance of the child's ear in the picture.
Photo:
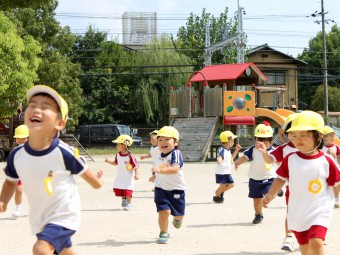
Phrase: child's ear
(176, 142)
(60, 124)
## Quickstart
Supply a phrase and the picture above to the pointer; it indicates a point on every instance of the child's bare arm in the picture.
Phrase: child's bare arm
(145, 156)
(272, 193)
(219, 160)
(95, 180)
(240, 161)
(237, 149)
(112, 162)
(8, 189)
(136, 174)
(173, 169)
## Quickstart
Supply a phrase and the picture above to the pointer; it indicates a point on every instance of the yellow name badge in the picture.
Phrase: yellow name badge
(315, 186)
(267, 166)
(129, 167)
(48, 183)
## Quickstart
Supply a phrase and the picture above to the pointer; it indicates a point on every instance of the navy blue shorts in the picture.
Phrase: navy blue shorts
(58, 236)
(173, 200)
(257, 189)
(224, 178)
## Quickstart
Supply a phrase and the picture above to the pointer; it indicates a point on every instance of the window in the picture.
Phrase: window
(276, 78)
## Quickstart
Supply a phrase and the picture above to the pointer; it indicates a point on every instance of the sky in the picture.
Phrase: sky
(285, 25)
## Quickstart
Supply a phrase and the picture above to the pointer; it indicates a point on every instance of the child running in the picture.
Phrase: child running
(154, 152)
(331, 148)
(21, 134)
(127, 171)
(261, 174)
(276, 156)
(169, 182)
(311, 175)
(47, 167)
(223, 167)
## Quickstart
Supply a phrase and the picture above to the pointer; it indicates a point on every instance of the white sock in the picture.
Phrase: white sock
(18, 207)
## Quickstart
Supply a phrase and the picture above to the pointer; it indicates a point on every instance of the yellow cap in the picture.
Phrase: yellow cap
(168, 131)
(307, 120)
(155, 132)
(54, 94)
(21, 132)
(226, 135)
(327, 130)
(263, 130)
(288, 120)
(124, 139)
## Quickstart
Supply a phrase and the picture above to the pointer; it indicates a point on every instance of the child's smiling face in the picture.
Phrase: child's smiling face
(166, 144)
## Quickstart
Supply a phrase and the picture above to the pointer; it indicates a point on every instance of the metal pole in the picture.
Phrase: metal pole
(325, 80)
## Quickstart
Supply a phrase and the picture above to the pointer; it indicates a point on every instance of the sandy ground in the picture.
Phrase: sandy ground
(208, 228)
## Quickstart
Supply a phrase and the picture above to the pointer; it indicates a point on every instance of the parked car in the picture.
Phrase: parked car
(104, 134)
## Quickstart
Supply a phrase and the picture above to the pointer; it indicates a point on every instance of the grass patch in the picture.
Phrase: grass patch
(93, 151)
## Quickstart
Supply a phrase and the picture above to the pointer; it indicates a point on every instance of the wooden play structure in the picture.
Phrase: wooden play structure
(222, 97)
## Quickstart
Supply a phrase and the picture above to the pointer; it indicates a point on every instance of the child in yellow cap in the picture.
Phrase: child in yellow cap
(261, 174)
(21, 134)
(127, 170)
(224, 159)
(47, 167)
(154, 152)
(169, 182)
(311, 175)
(334, 150)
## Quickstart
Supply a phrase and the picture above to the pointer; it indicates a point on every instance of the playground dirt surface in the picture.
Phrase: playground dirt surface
(208, 228)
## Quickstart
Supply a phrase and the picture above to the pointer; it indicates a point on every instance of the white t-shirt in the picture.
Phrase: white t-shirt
(225, 166)
(310, 180)
(170, 181)
(32, 167)
(259, 169)
(155, 153)
(282, 151)
(125, 171)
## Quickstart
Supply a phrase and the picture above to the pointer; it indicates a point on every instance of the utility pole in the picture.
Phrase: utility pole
(325, 73)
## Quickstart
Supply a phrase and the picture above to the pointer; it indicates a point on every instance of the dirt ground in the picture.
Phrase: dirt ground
(208, 228)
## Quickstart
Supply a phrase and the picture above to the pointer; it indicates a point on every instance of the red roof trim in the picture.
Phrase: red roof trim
(239, 120)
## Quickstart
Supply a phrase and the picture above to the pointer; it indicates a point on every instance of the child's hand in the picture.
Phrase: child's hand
(267, 198)
(238, 147)
(141, 157)
(152, 178)
(156, 170)
(136, 177)
(107, 160)
(261, 147)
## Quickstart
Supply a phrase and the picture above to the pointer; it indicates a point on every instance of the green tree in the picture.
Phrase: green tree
(312, 75)
(19, 62)
(56, 68)
(317, 101)
(158, 69)
(191, 38)
(10, 4)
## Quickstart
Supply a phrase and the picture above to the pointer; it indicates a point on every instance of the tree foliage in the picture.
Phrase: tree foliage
(312, 76)
(19, 62)
(191, 38)
(317, 102)
(56, 68)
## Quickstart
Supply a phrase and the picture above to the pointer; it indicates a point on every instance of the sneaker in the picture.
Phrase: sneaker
(280, 193)
(288, 243)
(218, 199)
(124, 203)
(16, 214)
(258, 219)
(128, 206)
(337, 203)
(177, 223)
(163, 238)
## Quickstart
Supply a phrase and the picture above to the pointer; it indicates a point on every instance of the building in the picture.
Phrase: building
(282, 72)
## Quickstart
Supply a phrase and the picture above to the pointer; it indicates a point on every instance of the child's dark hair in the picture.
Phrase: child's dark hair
(317, 141)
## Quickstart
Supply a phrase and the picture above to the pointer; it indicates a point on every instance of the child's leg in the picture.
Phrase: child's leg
(314, 247)
(336, 195)
(42, 247)
(258, 205)
(228, 186)
(163, 220)
(128, 199)
(18, 195)
(219, 190)
(68, 251)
